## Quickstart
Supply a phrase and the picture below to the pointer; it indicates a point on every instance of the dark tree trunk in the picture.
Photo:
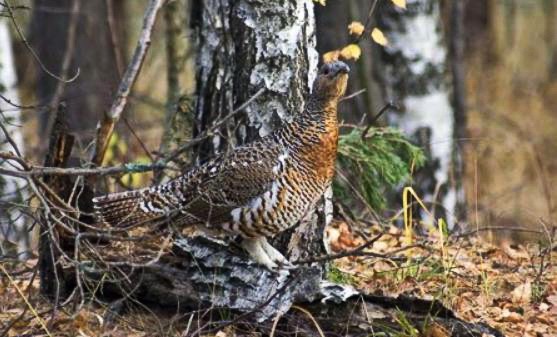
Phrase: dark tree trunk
(98, 27)
(51, 241)
(457, 42)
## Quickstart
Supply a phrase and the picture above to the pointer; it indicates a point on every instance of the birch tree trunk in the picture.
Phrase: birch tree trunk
(247, 46)
(12, 190)
(414, 75)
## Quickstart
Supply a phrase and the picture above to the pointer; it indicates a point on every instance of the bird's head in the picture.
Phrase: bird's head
(331, 80)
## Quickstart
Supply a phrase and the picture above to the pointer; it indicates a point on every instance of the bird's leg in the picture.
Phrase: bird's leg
(274, 254)
(255, 249)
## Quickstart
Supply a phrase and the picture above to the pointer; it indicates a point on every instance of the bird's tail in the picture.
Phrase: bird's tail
(131, 208)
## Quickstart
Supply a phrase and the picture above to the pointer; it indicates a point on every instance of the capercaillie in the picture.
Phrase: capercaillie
(256, 190)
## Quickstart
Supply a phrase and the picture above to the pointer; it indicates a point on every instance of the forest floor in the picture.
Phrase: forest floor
(510, 287)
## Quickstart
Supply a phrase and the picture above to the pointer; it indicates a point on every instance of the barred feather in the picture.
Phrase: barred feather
(127, 209)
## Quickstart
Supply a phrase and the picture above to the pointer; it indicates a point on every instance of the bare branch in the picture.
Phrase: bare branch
(75, 171)
(9, 137)
(112, 116)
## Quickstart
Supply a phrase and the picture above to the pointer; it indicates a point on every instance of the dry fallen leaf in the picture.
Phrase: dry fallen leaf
(552, 300)
(545, 319)
(437, 330)
(543, 307)
(522, 294)
(510, 316)
(382, 266)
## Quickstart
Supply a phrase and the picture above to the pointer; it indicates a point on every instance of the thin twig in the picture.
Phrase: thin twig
(7, 100)
(357, 93)
(387, 106)
(368, 22)
(308, 314)
(114, 43)
(9, 137)
(38, 171)
(141, 143)
(496, 228)
(22, 295)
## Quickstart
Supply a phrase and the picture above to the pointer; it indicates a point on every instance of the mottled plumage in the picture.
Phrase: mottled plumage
(257, 190)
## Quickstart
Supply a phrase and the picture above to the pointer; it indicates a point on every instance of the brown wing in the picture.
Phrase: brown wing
(232, 181)
(205, 194)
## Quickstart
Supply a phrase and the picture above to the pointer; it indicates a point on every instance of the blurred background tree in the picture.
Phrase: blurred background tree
(73, 36)
(14, 226)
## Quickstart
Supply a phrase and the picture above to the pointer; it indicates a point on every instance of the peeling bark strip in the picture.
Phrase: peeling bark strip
(245, 46)
(414, 75)
(111, 117)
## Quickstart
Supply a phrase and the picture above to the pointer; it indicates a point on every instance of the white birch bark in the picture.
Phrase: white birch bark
(12, 190)
(246, 46)
(415, 76)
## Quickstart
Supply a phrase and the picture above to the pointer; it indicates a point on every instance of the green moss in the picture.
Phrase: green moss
(337, 276)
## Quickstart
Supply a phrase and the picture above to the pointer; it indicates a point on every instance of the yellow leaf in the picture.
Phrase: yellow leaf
(321, 2)
(379, 37)
(356, 28)
(331, 56)
(351, 52)
(400, 3)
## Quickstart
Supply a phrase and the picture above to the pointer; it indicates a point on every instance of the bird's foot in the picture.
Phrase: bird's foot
(275, 255)
(263, 253)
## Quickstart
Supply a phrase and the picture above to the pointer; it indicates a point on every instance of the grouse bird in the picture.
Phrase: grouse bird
(256, 190)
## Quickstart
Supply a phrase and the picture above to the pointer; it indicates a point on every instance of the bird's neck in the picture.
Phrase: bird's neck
(322, 111)
(318, 136)
(317, 122)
